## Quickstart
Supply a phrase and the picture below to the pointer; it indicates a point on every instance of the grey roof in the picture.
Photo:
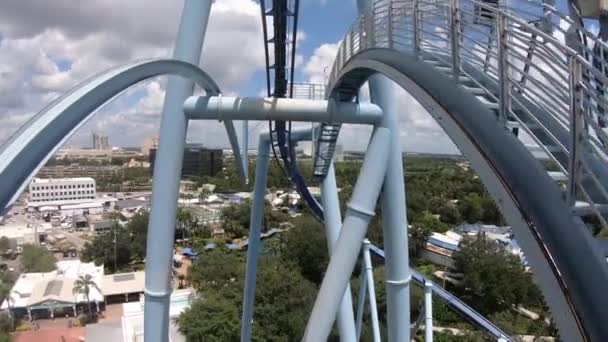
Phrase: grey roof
(131, 203)
(53, 287)
(106, 224)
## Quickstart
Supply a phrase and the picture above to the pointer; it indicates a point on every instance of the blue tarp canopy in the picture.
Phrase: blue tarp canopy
(188, 252)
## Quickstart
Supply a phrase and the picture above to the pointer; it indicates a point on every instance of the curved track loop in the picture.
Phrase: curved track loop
(564, 257)
(482, 71)
(36, 141)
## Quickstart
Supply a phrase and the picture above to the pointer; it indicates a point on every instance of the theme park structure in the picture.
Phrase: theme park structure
(518, 87)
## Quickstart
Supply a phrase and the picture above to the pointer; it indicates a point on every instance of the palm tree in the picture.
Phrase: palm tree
(83, 285)
(5, 294)
(202, 196)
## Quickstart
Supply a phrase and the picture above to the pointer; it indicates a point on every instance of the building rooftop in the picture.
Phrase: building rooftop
(121, 283)
(132, 203)
(57, 180)
(74, 203)
(35, 288)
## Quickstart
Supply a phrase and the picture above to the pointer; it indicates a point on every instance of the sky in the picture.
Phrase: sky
(47, 47)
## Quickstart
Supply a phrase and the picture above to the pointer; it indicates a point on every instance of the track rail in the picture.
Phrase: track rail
(27, 150)
(531, 84)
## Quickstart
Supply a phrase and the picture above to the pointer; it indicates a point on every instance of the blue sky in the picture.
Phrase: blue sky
(48, 47)
(322, 23)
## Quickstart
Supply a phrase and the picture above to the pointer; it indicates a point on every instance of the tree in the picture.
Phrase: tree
(5, 295)
(114, 250)
(212, 319)
(185, 221)
(120, 247)
(83, 285)
(236, 218)
(471, 208)
(493, 279)
(216, 269)
(305, 245)
(37, 259)
(419, 235)
(5, 244)
(138, 230)
(283, 302)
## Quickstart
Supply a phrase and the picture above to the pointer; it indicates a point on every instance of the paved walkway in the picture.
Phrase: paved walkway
(51, 335)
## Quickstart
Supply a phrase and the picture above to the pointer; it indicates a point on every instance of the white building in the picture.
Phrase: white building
(50, 294)
(61, 189)
(133, 316)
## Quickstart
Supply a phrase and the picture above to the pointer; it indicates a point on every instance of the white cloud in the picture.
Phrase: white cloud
(100, 34)
(419, 131)
(319, 65)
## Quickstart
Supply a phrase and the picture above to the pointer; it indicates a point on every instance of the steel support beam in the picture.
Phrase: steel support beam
(167, 174)
(255, 226)
(251, 108)
(333, 222)
(255, 230)
(371, 287)
(361, 301)
(428, 311)
(394, 219)
(343, 260)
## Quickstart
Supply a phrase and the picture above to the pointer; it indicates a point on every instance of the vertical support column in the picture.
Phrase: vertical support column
(255, 230)
(428, 311)
(503, 68)
(343, 260)
(361, 301)
(455, 35)
(394, 219)
(333, 222)
(369, 274)
(576, 128)
(245, 152)
(167, 173)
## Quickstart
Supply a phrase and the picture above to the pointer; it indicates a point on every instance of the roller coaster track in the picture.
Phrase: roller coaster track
(34, 143)
(503, 84)
(453, 302)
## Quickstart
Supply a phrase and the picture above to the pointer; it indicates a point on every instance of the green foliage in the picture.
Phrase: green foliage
(83, 285)
(37, 259)
(284, 300)
(419, 234)
(515, 324)
(23, 327)
(471, 208)
(279, 315)
(305, 245)
(493, 279)
(236, 219)
(121, 247)
(5, 244)
(214, 318)
(6, 324)
(216, 269)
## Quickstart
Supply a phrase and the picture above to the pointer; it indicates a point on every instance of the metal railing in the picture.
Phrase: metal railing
(517, 60)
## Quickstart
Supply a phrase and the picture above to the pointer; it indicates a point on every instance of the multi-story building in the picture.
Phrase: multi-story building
(75, 170)
(198, 161)
(62, 189)
(149, 144)
(100, 142)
